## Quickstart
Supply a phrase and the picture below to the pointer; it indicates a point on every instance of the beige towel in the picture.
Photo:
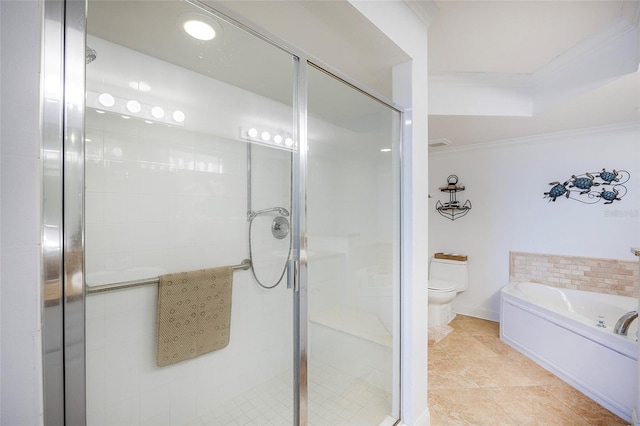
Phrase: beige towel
(194, 314)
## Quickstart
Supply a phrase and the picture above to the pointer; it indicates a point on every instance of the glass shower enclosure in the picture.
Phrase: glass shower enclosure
(225, 149)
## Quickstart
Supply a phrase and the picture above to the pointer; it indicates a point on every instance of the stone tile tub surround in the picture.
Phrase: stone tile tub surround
(594, 274)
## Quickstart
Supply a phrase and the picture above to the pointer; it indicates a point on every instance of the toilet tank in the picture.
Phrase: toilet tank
(450, 270)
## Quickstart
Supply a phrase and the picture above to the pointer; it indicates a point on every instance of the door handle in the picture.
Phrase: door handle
(292, 274)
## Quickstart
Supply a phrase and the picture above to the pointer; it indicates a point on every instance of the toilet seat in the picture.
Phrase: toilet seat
(441, 286)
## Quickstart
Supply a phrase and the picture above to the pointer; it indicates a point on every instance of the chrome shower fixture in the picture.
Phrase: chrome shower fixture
(280, 228)
(280, 210)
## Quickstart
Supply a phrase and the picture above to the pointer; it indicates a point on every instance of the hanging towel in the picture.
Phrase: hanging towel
(194, 314)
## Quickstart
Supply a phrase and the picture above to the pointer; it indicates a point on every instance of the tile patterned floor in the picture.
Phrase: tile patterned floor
(476, 379)
(335, 398)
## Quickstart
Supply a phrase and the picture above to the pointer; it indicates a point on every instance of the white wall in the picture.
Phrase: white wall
(145, 218)
(163, 199)
(505, 183)
(21, 348)
(21, 376)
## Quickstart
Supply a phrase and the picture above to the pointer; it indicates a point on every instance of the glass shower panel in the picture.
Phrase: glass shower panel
(188, 167)
(353, 255)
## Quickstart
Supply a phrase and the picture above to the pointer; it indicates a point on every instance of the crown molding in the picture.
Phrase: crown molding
(585, 66)
(425, 10)
(631, 126)
(464, 79)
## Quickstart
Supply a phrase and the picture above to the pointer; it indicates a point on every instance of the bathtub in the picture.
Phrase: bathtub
(557, 329)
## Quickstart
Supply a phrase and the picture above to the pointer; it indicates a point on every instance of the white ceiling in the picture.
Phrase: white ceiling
(522, 38)
(516, 37)
(508, 40)
(239, 58)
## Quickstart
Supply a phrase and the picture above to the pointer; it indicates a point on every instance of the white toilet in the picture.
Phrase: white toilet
(446, 279)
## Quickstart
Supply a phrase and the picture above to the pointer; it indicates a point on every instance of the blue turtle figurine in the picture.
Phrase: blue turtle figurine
(584, 183)
(609, 196)
(608, 177)
(557, 190)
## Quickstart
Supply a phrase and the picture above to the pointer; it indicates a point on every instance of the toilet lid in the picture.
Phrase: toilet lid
(441, 285)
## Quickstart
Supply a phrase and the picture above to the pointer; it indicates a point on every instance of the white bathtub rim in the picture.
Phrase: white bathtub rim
(519, 289)
(623, 345)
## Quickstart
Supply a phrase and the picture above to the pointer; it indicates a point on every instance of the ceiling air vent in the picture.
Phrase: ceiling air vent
(436, 143)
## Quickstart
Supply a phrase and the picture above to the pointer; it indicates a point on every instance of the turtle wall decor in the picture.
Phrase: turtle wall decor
(591, 187)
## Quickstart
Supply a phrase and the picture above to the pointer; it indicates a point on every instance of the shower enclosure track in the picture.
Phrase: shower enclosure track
(243, 266)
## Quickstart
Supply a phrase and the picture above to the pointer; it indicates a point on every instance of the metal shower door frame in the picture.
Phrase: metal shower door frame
(63, 70)
(63, 100)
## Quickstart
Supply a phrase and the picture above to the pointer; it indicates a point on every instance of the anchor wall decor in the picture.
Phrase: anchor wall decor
(452, 209)
(583, 187)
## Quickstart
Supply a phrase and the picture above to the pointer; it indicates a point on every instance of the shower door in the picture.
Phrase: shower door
(352, 225)
(188, 157)
(221, 149)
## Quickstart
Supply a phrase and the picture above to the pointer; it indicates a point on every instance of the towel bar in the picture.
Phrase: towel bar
(243, 266)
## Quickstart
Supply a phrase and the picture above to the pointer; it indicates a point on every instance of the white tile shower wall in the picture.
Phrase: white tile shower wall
(358, 224)
(350, 233)
(21, 384)
(167, 200)
(505, 183)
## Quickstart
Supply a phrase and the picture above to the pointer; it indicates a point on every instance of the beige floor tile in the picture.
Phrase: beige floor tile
(532, 405)
(591, 411)
(537, 373)
(512, 389)
(475, 326)
(457, 345)
(466, 407)
(496, 345)
(436, 352)
(531, 369)
(446, 374)
(494, 372)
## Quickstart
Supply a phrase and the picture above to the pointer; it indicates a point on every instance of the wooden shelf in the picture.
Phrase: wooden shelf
(451, 256)
(451, 188)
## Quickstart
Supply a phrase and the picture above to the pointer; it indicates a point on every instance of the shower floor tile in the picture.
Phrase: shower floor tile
(335, 398)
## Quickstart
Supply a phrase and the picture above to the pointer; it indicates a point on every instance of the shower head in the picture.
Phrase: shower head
(280, 210)
(283, 211)
(90, 55)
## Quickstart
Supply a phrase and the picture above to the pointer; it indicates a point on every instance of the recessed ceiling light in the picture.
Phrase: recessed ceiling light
(199, 26)
(200, 30)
